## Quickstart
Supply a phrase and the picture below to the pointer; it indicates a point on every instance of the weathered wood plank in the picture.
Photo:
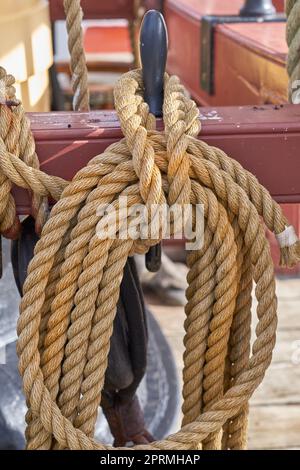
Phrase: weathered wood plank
(171, 321)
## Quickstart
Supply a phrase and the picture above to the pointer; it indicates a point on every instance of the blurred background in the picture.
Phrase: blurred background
(249, 69)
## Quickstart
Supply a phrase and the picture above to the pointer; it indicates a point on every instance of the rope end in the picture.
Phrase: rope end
(289, 247)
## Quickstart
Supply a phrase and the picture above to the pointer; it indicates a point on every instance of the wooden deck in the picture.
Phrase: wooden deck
(275, 406)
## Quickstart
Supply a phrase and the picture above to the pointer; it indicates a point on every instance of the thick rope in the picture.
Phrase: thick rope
(78, 66)
(292, 8)
(235, 430)
(72, 288)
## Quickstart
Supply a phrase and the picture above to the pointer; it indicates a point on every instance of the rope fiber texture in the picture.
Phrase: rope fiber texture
(72, 288)
(16, 139)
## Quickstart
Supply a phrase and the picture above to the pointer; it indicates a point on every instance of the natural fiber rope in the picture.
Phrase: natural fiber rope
(292, 8)
(72, 288)
(15, 134)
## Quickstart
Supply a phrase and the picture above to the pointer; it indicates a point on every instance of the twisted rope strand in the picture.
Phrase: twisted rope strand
(74, 16)
(16, 142)
(72, 287)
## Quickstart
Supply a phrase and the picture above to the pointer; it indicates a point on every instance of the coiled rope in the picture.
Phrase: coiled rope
(17, 139)
(74, 16)
(72, 288)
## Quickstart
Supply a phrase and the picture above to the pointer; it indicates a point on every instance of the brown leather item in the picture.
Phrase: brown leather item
(126, 422)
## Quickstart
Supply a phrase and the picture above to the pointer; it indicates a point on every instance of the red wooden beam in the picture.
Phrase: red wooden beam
(265, 140)
(96, 9)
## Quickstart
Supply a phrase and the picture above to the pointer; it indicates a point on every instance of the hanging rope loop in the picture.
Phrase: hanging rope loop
(74, 17)
(72, 288)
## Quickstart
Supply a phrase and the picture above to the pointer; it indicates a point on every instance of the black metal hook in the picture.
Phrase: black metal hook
(153, 52)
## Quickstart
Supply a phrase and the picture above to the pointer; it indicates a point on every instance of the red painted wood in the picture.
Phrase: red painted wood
(267, 40)
(266, 141)
(250, 65)
(250, 68)
(96, 9)
(184, 48)
(199, 8)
